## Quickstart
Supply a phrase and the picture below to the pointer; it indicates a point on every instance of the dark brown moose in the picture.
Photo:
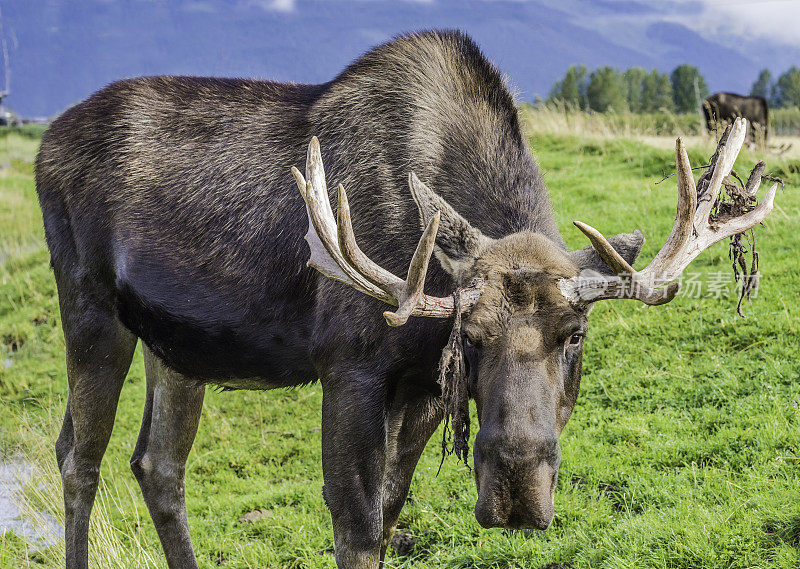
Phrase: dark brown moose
(171, 217)
(721, 109)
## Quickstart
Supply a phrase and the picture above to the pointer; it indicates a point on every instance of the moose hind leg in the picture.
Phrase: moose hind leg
(99, 353)
(171, 416)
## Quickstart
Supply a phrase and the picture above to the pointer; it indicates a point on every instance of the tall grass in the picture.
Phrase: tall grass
(32, 131)
(557, 117)
(785, 122)
(20, 225)
(116, 541)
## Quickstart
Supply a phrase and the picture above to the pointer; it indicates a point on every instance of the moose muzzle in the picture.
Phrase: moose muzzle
(516, 478)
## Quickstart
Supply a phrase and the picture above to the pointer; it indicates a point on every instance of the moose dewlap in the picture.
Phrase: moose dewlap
(171, 217)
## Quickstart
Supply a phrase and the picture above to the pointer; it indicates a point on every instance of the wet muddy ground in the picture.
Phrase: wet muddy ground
(40, 532)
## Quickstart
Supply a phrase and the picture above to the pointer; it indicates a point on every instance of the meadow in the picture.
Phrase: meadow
(683, 450)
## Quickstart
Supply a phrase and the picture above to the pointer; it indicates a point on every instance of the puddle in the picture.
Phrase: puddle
(42, 532)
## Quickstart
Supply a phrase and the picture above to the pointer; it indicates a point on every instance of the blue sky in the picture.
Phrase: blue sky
(769, 20)
(63, 50)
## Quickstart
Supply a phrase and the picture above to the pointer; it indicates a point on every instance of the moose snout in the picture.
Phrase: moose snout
(516, 482)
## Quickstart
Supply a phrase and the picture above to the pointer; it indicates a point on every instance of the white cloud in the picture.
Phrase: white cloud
(769, 20)
(285, 6)
(282, 5)
(728, 21)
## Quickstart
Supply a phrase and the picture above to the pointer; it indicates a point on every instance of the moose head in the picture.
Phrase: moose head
(521, 309)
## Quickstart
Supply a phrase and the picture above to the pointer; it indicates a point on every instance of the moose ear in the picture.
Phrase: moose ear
(626, 244)
(458, 244)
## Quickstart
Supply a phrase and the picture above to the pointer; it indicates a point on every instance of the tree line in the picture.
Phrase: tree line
(640, 91)
(783, 92)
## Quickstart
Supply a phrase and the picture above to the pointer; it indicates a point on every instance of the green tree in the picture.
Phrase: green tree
(605, 91)
(633, 82)
(572, 88)
(688, 88)
(787, 88)
(657, 92)
(763, 86)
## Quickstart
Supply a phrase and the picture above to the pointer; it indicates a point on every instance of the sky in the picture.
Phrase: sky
(60, 51)
(727, 21)
(765, 20)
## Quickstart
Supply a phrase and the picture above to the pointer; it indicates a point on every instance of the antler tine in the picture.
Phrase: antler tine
(726, 157)
(748, 220)
(300, 181)
(326, 256)
(356, 257)
(336, 254)
(692, 233)
(415, 281)
(754, 180)
(687, 206)
(604, 249)
(627, 284)
(407, 293)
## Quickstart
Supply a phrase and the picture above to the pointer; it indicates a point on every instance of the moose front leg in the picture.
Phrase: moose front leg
(411, 425)
(353, 463)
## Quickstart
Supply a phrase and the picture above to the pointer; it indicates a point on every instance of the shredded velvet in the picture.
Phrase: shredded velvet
(455, 391)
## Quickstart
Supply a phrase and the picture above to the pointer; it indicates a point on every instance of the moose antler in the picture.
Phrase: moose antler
(335, 253)
(692, 233)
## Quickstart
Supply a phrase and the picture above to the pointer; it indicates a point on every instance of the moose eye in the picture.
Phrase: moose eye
(471, 344)
(575, 339)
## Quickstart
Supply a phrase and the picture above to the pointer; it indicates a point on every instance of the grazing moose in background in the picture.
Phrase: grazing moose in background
(171, 218)
(721, 109)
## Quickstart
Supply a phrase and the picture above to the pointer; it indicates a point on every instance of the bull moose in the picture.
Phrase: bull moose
(721, 109)
(171, 217)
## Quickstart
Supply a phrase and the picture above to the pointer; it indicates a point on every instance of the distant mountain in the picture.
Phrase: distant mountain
(63, 51)
(724, 68)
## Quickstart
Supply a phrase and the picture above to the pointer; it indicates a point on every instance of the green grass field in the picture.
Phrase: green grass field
(683, 450)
